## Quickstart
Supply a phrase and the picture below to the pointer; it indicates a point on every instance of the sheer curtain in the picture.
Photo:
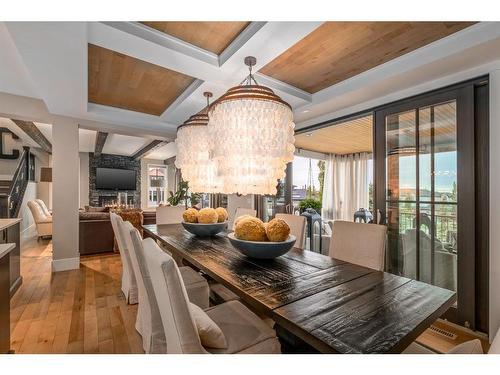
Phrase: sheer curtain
(346, 185)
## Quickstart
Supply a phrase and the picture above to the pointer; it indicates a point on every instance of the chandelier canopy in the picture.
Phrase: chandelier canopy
(193, 153)
(251, 137)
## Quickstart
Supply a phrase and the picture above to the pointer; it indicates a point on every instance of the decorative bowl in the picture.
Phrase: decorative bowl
(262, 250)
(204, 230)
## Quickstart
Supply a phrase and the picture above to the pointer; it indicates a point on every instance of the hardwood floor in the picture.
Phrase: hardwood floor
(78, 311)
(84, 311)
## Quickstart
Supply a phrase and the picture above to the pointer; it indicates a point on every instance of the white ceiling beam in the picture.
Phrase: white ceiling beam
(461, 51)
(117, 37)
(165, 40)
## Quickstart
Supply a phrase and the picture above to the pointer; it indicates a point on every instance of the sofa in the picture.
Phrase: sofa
(96, 232)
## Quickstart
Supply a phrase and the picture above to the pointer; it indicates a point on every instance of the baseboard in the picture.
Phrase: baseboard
(65, 264)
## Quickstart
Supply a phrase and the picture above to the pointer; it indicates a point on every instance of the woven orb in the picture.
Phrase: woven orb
(277, 230)
(237, 220)
(207, 216)
(190, 215)
(222, 214)
(250, 229)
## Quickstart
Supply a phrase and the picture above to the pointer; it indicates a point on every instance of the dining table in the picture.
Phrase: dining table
(331, 305)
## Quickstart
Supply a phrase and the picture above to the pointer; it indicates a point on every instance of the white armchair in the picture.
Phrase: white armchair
(42, 220)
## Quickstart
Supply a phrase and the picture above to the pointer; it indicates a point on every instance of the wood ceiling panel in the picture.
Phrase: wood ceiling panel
(122, 81)
(336, 51)
(211, 36)
(344, 138)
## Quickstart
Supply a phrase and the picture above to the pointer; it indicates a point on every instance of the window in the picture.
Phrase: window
(157, 182)
(308, 175)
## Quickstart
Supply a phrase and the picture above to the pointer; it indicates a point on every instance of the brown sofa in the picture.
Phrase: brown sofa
(96, 232)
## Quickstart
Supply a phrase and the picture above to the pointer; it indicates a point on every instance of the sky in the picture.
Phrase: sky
(445, 167)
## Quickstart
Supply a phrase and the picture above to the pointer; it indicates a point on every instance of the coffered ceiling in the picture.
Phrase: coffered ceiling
(337, 51)
(211, 36)
(146, 79)
(122, 81)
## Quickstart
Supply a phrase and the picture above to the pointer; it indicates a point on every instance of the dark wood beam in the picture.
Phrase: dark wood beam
(34, 133)
(100, 140)
(148, 148)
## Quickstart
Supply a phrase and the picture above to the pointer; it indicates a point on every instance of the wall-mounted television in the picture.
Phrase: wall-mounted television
(115, 179)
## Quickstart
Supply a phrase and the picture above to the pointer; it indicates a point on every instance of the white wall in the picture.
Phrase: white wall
(84, 179)
(144, 180)
(28, 224)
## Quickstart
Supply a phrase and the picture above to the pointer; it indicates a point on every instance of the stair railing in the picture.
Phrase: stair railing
(18, 185)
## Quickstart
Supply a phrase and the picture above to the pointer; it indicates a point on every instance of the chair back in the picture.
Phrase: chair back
(148, 316)
(169, 214)
(129, 282)
(171, 296)
(240, 211)
(297, 226)
(114, 218)
(38, 213)
(359, 243)
(44, 207)
(495, 344)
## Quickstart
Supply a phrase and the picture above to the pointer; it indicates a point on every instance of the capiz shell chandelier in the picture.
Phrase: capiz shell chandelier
(193, 153)
(251, 129)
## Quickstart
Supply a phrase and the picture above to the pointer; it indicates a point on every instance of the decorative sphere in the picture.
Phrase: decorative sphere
(190, 215)
(237, 220)
(207, 216)
(222, 214)
(250, 229)
(277, 230)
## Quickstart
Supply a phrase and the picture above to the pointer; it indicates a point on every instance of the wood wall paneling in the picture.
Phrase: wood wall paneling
(118, 80)
(211, 36)
(336, 51)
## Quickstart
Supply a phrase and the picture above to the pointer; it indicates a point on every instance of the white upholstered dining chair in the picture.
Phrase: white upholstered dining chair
(169, 214)
(148, 321)
(240, 211)
(359, 243)
(236, 329)
(468, 347)
(129, 283)
(297, 226)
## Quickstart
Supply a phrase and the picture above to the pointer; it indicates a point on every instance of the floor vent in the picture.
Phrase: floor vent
(443, 332)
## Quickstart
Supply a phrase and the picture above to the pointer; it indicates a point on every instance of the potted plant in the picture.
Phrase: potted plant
(182, 195)
(315, 204)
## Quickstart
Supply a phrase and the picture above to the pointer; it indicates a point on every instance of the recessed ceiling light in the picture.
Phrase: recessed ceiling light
(309, 134)
(306, 110)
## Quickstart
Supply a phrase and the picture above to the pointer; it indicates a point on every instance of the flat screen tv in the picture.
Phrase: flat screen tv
(115, 179)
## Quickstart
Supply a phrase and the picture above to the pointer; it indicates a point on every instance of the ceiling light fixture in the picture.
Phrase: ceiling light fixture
(193, 153)
(251, 129)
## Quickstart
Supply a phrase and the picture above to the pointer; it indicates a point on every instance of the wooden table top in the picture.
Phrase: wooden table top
(334, 306)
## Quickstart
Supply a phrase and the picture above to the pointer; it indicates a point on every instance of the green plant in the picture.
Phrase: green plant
(180, 195)
(310, 203)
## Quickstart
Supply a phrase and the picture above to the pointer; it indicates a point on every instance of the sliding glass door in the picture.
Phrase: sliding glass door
(425, 191)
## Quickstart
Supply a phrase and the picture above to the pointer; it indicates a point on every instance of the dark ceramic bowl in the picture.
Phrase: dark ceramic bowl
(262, 250)
(204, 230)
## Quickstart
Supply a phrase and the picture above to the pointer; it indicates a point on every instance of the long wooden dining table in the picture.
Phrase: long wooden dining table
(332, 305)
